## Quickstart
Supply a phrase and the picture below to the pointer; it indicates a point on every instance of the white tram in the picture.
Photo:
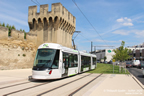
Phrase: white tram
(54, 61)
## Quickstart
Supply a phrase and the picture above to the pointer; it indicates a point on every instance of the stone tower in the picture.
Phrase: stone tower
(56, 26)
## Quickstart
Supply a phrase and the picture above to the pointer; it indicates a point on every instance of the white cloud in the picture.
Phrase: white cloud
(129, 20)
(121, 32)
(120, 20)
(10, 18)
(136, 33)
(125, 21)
(139, 33)
(107, 41)
(127, 24)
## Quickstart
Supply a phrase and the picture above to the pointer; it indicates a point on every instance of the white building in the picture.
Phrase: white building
(105, 52)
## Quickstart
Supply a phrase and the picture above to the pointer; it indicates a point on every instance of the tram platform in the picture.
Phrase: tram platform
(109, 85)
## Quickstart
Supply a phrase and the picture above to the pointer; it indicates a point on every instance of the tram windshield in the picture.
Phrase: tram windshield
(46, 58)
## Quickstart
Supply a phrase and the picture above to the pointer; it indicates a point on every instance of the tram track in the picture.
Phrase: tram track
(14, 85)
(17, 91)
(62, 85)
(71, 94)
(24, 89)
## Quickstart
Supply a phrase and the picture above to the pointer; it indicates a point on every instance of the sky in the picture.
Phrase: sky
(112, 21)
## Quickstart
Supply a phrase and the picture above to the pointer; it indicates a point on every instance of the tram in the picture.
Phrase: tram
(53, 61)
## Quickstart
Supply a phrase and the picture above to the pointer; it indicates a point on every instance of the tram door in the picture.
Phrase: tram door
(65, 64)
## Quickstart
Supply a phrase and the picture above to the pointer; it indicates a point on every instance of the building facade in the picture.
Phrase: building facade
(137, 53)
(102, 53)
(55, 26)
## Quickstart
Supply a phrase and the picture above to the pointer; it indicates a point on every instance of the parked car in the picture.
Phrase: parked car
(98, 61)
(117, 63)
(110, 62)
(129, 64)
(141, 65)
(105, 62)
(143, 72)
(136, 63)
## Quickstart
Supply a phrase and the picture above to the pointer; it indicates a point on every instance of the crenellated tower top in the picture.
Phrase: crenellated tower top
(58, 11)
(52, 24)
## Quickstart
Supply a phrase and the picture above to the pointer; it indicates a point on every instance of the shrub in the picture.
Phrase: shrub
(24, 55)
(22, 48)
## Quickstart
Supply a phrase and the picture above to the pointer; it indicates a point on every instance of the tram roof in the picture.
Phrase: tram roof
(57, 46)
(64, 49)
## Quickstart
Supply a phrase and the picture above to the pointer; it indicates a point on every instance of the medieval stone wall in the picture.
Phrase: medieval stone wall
(31, 38)
(3, 33)
(17, 35)
(16, 52)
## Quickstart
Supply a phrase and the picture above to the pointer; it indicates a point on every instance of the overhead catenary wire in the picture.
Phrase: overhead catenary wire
(36, 3)
(85, 38)
(89, 21)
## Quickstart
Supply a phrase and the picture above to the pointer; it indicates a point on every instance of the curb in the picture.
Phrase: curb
(141, 85)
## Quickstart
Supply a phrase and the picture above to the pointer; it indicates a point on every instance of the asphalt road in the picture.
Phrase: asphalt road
(137, 73)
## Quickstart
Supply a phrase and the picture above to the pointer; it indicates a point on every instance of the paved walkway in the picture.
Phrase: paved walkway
(109, 85)
(116, 85)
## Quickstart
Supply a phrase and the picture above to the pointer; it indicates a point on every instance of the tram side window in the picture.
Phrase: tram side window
(65, 59)
(71, 60)
(75, 60)
(88, 61)
(94, 61)
(56, 60)
(85, 61)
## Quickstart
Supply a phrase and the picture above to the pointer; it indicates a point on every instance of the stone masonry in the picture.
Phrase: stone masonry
(56, 26)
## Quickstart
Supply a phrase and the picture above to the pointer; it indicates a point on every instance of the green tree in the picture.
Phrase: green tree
(13, 27)
(105, 58)
(0, 24)
(23, 30)
(20, 29)
(3, 24)
(122, 53)
(9, 33)
(24, 35)
(7, 25)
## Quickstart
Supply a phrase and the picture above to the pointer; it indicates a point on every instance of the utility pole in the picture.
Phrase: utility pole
(74, 38)
(95, 49)
(91, 46)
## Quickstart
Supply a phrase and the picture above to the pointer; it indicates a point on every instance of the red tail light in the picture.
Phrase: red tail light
(50, 72)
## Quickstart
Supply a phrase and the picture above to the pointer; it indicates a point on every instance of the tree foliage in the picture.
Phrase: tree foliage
(121, 53)
(105, 58)
(3, 24)
(12, 27)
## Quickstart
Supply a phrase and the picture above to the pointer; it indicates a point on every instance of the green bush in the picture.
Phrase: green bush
(22, 48)
(24, 55)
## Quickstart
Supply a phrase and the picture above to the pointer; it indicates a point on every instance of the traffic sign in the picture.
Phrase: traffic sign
(113, 60)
